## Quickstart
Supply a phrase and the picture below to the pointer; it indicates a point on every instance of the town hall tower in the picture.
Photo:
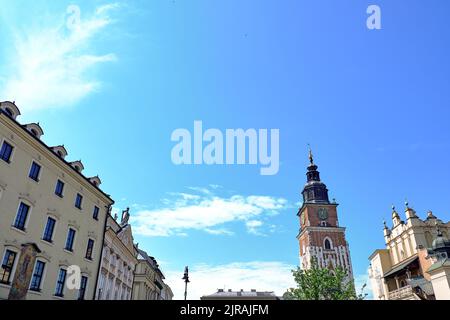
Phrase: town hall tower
(320, 237)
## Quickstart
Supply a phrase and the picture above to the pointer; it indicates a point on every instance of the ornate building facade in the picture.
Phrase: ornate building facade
(149, 280)
(52, 217)
(321, 238)
(119, 260)
(414, 255)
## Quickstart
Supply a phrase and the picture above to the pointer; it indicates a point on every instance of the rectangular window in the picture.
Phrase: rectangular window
(70, 240)
(6, 152)
(21, 217)
(49, 228)
(34, 171)
(90, 248)
(59, 292)
(83, 286)
(36, 280)
(59, 188)
(95, 214)
(78, 201)
(7, 266)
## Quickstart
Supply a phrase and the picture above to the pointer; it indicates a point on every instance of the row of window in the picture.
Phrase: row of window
(35, 170)
(21, 219)
(38, 273)
(108, 291)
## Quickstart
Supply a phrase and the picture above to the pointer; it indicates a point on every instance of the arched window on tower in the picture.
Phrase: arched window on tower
(327, 244)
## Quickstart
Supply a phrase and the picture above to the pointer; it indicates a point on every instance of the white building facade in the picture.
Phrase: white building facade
(119, 261)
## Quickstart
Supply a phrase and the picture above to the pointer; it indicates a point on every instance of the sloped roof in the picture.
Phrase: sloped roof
(401, 266)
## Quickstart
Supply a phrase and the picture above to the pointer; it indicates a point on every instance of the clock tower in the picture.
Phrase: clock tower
(320, 237)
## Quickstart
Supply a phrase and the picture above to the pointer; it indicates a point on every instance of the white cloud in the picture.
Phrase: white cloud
(206, 279)
(260, 275)
(49, 65)
(253, 225)
(360, 281)
(206, 212)
(107, 7)
(219, 231)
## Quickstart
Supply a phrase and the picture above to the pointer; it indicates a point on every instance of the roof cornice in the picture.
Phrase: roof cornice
(29, 137)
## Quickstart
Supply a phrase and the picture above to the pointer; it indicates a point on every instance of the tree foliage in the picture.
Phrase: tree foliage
(323, 284)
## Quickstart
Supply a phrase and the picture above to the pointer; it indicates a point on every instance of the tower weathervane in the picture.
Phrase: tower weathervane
(311, 158)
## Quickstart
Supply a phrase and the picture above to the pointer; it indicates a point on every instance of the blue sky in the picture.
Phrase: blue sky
(372, 103)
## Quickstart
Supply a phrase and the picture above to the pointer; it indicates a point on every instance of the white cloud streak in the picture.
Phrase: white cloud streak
(273, 276)
(363, 285)
(49, 66)
(207, 212)
(206, 279)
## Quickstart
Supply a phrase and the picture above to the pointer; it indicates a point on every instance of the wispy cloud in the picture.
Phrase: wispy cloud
(50, 66)
(363, 285)
(253, 226)
(273, 276)
(206, 279)
(208, 212)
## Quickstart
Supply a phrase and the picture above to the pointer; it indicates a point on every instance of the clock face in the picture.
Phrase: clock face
(323, 214)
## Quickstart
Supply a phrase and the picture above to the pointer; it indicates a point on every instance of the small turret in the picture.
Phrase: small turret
(395, 217)
(409, 212)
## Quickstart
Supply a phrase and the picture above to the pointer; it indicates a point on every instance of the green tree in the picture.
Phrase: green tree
(323, 284)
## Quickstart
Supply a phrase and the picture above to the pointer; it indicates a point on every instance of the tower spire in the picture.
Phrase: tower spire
(315, 191)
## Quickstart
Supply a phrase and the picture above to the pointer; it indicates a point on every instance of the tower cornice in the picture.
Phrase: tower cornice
(320, 229)
(315, 204)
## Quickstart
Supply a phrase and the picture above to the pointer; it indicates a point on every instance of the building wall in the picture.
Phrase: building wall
(17, 187)
(380, 263)
(144, 286)
(149, 280)
(403, 240)
(118, 264)
(441, 283)
(166, 293)
(315, 232)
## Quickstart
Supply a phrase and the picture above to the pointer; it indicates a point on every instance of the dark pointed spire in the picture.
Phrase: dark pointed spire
(314, 191)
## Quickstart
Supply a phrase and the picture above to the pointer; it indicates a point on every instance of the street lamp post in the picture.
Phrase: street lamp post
(186, 281)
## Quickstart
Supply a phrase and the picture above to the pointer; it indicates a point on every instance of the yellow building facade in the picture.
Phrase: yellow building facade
(52, 217)
(149, 280)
